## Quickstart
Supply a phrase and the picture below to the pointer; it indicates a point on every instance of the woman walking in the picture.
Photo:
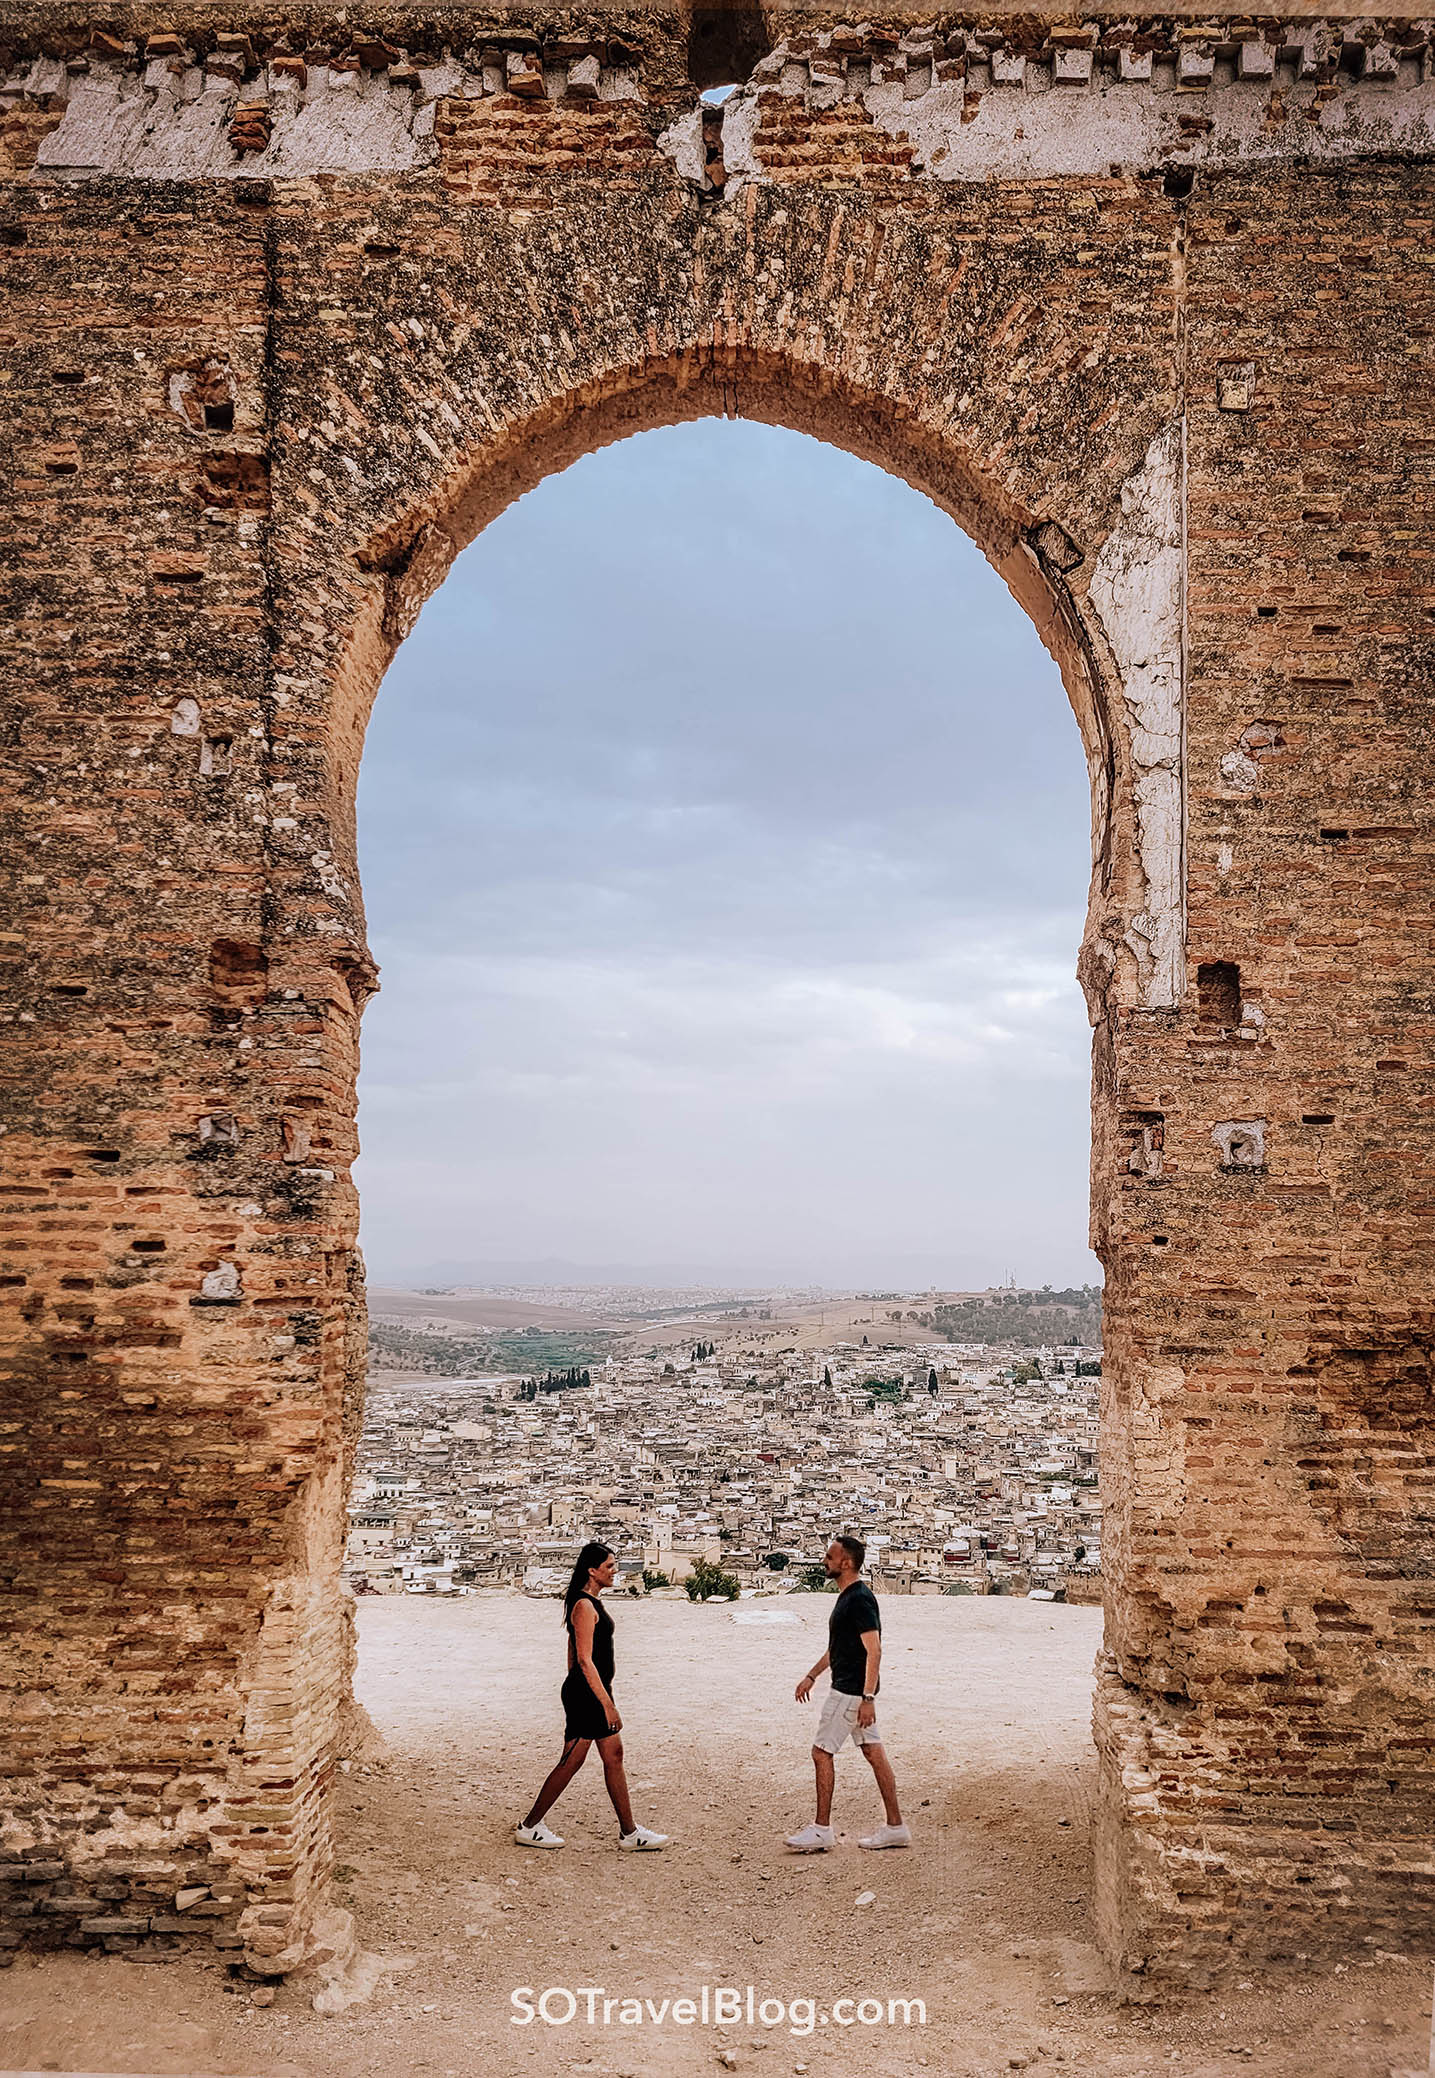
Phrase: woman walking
(590, 1716)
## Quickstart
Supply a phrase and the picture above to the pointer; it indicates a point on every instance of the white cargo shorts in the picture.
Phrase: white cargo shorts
(838, 1723)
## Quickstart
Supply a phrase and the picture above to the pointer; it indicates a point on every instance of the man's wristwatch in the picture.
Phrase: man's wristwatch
(869, 1698)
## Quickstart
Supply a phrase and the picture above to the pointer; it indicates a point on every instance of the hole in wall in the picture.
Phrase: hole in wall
(237, 966)
(1218, 993)
(725, 43)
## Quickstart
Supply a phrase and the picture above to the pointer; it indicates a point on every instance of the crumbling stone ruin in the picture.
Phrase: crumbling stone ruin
(295, 301)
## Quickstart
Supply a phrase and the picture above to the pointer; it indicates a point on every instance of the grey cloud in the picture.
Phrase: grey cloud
(724, 838)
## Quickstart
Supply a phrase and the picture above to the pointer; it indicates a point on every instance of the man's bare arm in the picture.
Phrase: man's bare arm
(804, 1686)
(866, 1709)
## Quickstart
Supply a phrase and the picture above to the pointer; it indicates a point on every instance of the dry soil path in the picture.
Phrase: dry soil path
(986, 1707)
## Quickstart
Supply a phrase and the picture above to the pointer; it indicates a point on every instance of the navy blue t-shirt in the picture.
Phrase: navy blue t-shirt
(854, 1612)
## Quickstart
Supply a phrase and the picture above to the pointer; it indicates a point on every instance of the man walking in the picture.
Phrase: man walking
(854, 1654)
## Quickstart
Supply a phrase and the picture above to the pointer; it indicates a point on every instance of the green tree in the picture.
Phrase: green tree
(884, 1389)
(708, 1582)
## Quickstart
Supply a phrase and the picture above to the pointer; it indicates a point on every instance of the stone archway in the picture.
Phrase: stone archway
(255, 418)
(1114, 629)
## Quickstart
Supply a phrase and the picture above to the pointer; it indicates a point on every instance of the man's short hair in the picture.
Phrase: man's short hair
(855, 1549)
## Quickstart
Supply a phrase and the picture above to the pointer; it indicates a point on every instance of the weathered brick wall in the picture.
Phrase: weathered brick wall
(285, 324)
(1272, 1325)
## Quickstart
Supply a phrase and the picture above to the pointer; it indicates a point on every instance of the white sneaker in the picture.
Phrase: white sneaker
(888, 1836)
(536, 1836)
(641, 1841)
(813, 1839)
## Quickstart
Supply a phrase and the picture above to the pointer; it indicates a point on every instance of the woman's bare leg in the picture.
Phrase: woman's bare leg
(575, 1752)
(610, 1752)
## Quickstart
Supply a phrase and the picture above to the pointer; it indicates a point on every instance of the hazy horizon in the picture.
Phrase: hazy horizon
(544, 1273)
(724, 833)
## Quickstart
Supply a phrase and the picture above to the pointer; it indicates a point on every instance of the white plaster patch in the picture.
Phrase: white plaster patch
(115, 123)
(1059, 112)
(682, 142)
(739, 128)
(958, 133)
(1146, 1157)
(1138, 592)
(1242, 1142)
(155, 124)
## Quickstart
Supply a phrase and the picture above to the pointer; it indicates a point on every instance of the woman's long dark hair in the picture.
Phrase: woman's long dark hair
(590, 1556)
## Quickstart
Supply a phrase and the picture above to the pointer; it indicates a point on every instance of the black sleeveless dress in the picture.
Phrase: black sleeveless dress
(583, 1715)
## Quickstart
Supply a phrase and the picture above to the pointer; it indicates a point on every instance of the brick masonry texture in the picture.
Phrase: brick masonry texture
(268, 363)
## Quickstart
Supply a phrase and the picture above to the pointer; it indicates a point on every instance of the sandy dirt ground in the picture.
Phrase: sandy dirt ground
(985, 1710)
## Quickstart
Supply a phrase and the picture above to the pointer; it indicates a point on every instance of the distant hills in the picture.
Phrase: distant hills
(1032, 1319)
(553, 1273)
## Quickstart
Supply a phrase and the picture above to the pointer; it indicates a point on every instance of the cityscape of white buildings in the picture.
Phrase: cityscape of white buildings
(965, 1470)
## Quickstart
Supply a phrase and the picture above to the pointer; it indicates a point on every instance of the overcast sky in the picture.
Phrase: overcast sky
(724, 831)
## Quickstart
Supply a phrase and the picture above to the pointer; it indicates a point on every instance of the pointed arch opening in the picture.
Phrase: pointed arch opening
(1039, 561)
